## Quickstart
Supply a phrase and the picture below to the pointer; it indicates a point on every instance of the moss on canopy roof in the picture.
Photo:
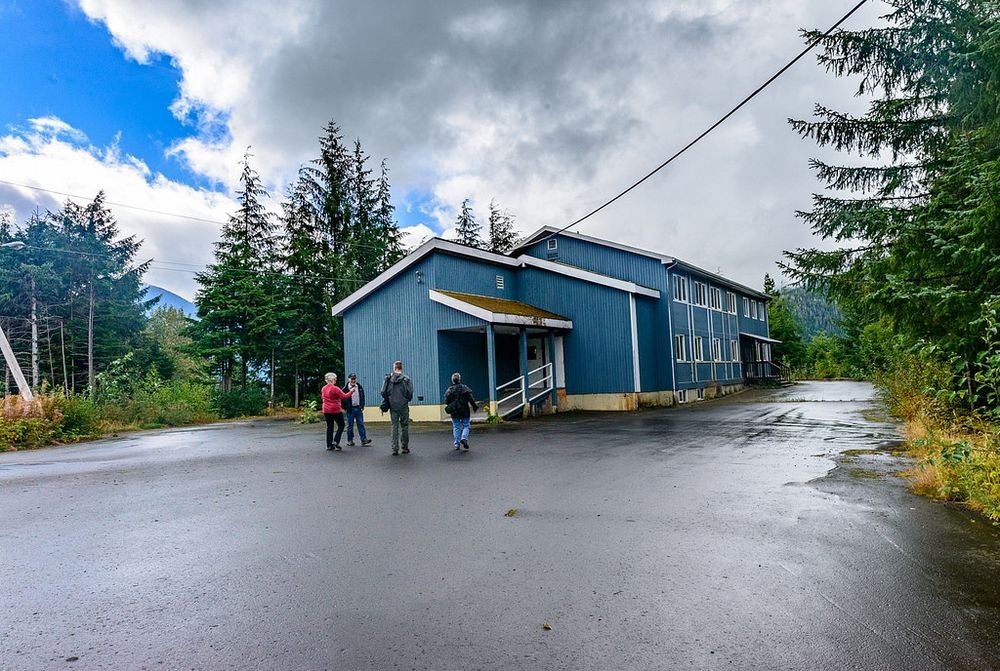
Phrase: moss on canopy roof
(503, 306)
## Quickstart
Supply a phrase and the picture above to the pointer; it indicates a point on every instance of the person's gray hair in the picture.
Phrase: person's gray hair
(330, 377)
(397, 365)
(456, 378)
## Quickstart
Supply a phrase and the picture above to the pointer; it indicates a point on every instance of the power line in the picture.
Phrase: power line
(718, 123)
(130, 207)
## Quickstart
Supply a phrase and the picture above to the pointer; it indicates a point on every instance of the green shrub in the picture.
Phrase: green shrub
(240, 402)
(81, 417)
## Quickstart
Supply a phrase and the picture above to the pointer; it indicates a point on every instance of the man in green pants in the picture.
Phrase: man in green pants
(397, 390)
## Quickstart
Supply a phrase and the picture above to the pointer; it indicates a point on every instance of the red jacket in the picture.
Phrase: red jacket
(332, 396)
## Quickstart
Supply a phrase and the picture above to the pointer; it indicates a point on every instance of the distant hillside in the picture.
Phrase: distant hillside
(813, 312)
(170, 299)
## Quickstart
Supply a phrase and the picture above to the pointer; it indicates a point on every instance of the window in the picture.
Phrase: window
(500, 282)
(680, 289)
(716, 296)
(734, 350)
(753, 309)
(700, 293)
(716, 349)
(746, 306)
(763, 311)
(699, 349)
(682, 396)
(731, 302)
(700, 394)
(680, 341)
(553, 244)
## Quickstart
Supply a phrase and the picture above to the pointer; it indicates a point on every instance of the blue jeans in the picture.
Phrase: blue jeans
(356, 415)
(460, 428)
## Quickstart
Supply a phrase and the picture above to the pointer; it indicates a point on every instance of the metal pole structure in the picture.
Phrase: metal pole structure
(15, 368)
(8, 353)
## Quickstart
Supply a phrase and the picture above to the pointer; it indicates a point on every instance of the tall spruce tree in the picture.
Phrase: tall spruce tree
(919, 226)
(235, 327)
(390, 238)
(466, 228)
(503, 237)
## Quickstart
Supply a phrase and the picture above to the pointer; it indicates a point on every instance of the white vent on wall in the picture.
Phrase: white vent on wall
(499, 281)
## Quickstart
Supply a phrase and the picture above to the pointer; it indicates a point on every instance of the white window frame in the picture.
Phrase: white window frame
(753, 309)
(734, 350)
(682, 396)
(680, 289)
(700, 293)
(716, 349)
(699, 348)
(715, 298)
(700, 393)
(731, 302)
(553, 244)
(746, 306)
(680, 342)
(762, 312)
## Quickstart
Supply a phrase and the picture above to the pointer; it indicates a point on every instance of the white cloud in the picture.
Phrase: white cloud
(177, 245)
(551, 108)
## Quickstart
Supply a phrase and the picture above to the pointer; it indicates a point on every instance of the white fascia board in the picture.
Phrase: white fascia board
(759, 337)
(496, 317)
(587, 276)
(418, 254)
(719, 279)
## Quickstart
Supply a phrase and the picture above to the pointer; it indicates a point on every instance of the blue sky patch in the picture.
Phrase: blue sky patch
(58, 63)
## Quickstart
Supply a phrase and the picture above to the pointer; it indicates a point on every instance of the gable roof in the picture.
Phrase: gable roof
(551, 231)
(418, 254)
(448, 247)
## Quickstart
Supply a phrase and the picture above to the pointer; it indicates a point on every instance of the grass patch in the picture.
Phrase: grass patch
(865, 474)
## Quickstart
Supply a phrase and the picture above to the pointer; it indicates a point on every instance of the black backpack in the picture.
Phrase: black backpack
(457, 404)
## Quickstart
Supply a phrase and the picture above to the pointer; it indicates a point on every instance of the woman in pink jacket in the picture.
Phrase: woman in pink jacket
(333, 411)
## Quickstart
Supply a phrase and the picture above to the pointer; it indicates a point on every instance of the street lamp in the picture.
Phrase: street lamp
(8, 353)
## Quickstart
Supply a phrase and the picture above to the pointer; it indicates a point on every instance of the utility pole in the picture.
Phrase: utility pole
(34, 336)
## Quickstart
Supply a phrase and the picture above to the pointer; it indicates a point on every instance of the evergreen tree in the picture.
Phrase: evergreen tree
(235, 325)
(921, 218)
(503, 238)
(466, 228)
(389, 235)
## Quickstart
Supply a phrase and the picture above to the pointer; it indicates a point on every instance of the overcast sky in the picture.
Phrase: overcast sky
(550, 107)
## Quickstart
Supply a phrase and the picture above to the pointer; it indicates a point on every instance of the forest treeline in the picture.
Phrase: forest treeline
(72, 295)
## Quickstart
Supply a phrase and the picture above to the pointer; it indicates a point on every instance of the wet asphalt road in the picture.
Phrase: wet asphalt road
(726, 535)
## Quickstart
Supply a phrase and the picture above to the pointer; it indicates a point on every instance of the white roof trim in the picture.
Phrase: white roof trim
(587, 276)
(759, 337)
(664, 258)
(496, 317)
(414, 257)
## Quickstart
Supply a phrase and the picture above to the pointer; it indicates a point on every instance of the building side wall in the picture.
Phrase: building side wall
(598, 351)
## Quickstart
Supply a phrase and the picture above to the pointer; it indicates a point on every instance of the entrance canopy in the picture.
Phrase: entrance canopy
(500, 310)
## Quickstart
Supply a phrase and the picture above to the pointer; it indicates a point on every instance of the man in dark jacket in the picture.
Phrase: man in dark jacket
(354, 409)
(457, 402)
(397, 390)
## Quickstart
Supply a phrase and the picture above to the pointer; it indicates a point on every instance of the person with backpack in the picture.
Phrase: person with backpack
(457, 402)
(397, 391)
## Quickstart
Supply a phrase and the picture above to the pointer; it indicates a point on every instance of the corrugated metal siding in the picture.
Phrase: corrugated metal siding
(395, 323)
(464, 353)
(473, 276)
(624, 265)
(598, 351)
(652, 354)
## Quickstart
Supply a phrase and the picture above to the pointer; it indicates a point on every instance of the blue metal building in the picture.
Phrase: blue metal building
(564, 322)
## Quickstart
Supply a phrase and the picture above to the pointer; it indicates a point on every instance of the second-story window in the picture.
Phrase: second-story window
(716, 297)
(700, 293)
(680, 289)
